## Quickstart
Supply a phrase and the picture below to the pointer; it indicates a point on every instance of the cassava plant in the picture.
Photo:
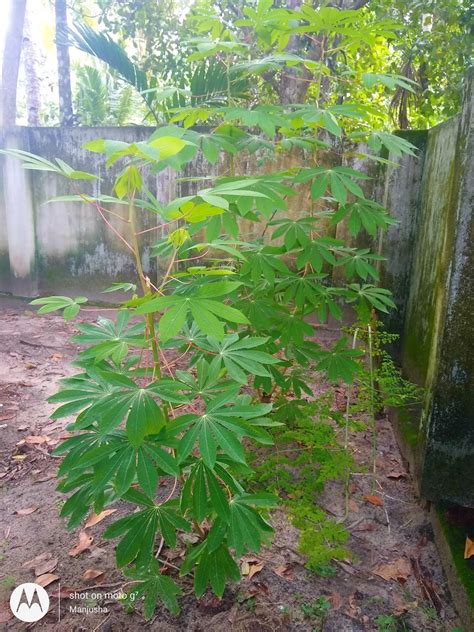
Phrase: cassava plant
(173, 390)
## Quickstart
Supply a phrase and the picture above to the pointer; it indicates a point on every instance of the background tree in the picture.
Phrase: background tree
(434, 49)
(64, 69)
(100, 99)
(33, 83)
(11, 63)
(426, 64)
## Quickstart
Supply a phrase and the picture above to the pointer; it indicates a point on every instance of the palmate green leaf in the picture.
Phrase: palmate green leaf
(267, 117)
(340, 362)
(302, 291)
(390, 80)
(106, 466)
(266, 264)
(359, 263)
(204, 495)
(240, 357)
(38, 163)
(294, 232)
(226, 425)
(121, 287)
(339, 179)
(145, 417)
(378, 297)
(248, 530)
(155, 587)
(364, 214)
(105, 399)
(70, 306)
(294, 329)
(82, 448)
(214, 568)
(206, 312)
(207, 383)
(109, 339)
(133, 547)
(319, 251)
(396, 145)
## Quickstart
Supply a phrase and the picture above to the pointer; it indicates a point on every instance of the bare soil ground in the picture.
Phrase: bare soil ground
(394, 572)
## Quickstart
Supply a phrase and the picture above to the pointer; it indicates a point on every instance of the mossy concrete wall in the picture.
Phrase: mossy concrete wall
(431, 271)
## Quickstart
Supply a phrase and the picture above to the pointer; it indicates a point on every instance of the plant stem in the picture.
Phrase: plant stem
(146, 289)
(346, 435)
(372, 407)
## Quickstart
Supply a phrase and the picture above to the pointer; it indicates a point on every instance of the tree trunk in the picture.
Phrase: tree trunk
(33, 92)
(64, 70)
(11, 63)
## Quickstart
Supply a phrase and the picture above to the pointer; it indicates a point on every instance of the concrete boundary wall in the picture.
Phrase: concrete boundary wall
(431, 272)
(64, 247)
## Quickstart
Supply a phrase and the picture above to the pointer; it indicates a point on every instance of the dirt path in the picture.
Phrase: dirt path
(393, 539)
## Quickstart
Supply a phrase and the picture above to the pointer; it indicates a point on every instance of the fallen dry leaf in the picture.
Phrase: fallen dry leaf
(96, 518)
(63, 593)
(399, 569)
(335, 600)
(57, 356)
(42, 564)
(255, 568)
(45, 476)
(244, 568)
(26, 512)
(353, 506)
(46, 567)
(36, 439)
(365, 526)
(468, 548)
(256, 589)
(286, 572)
(374, 500)
(46, 579)
(92, 573)
(83, 543)
(400, 607)
(397, 474)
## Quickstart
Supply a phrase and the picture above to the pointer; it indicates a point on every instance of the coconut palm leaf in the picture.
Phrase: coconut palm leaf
(91, 96)
(103, 47)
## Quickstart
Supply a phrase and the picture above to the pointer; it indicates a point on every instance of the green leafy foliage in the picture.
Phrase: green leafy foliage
(218, 354)
(307, 455)
(70, 306)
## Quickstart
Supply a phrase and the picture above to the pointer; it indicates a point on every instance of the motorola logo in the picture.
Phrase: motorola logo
(29, 602)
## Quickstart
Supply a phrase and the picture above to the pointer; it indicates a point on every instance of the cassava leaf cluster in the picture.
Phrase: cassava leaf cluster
(172, 391)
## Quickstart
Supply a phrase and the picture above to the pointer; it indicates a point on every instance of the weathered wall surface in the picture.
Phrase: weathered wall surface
(61, 247)
(431, 271)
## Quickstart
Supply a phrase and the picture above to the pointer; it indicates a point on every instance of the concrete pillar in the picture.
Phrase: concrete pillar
(19, 218)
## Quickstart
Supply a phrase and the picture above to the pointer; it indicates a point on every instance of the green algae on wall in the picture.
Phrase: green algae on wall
(438, 342)
(401, 196)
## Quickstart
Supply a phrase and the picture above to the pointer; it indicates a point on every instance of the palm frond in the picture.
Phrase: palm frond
(209, 84)
(123, 104)
(103, 47)
(91, 96)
